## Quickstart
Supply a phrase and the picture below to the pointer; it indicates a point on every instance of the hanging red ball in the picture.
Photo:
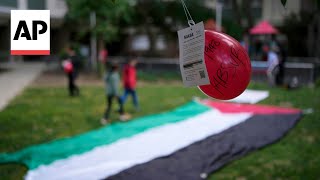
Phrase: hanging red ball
(228, 66)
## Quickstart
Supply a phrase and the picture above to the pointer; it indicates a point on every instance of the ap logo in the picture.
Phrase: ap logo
(30, 32)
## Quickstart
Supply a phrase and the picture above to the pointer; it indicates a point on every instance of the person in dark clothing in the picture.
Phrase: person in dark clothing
(283, 59)
(72, 74)
(282, 54)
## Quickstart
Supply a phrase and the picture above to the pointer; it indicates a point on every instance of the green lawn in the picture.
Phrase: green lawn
(41, 114)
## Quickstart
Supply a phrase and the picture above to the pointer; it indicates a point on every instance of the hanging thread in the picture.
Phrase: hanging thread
(188, 15)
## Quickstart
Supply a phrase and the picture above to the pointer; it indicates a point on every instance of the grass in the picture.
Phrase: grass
(296, 156)
(41, 114)
(159, 76)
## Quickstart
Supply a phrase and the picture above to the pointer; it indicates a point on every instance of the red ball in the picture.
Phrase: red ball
(228, 66)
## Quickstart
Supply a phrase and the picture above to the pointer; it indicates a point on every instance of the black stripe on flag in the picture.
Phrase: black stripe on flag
(212, 153)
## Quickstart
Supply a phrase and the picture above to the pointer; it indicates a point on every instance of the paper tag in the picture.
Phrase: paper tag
(191, 48)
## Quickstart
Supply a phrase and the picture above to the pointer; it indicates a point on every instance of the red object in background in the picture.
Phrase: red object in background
(264, 27)
(228, 66)
(210, 24)
(68, 67)
(103, 56)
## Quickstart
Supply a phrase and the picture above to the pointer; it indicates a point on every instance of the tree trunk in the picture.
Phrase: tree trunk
(151, 38)
(236, 10)
(317, 47)
(314, 36)
(101, 46)
(247, 11)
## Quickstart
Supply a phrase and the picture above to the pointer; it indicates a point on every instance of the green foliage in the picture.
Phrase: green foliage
(233, 29)
(154, 76)
(296, 29)
(317, 84)
(113, 16)
(167, 15)
(108, 16)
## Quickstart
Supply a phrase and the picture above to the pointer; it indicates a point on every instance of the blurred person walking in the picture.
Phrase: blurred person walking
(282, 55)
(71, 67)
(112, 82)
(272, 63)
(245, 43)
(129, 82)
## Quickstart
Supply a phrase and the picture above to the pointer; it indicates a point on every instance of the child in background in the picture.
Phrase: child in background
(129, 82)
(112, 81)
(71, 67)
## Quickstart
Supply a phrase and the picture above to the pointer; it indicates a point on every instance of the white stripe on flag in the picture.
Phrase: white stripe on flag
(111, 159)
(251, 96)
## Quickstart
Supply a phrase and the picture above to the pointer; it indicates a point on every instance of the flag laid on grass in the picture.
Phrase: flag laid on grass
(192, 140)
(251, 96)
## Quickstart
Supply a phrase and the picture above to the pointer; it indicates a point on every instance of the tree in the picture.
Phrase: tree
(314, 32)
(154, 17)
(242, 11)
(108, 15)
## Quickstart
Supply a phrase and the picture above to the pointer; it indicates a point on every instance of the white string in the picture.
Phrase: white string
(188, 15)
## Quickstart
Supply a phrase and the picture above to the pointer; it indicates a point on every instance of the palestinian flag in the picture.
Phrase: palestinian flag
(188, 142)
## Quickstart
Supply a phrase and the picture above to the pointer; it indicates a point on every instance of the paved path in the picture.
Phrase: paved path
(12, 82)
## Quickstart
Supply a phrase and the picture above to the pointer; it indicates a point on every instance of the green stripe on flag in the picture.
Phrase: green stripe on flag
(37, 155)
